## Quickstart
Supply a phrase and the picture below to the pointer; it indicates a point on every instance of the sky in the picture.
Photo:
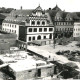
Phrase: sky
(67, 5)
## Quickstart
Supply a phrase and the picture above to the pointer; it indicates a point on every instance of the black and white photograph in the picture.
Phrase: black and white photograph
(39, 39)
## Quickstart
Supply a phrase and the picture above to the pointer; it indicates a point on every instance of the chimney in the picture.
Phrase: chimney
(49, 8)
(21, 7)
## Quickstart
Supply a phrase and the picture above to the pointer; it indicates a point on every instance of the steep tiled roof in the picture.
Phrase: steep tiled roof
(52, 14)
(21, 12)
(49, 18)
(2, 16)
(18, 15)
(64, 15)
(38, 8)
(59, 13)
(56, 8)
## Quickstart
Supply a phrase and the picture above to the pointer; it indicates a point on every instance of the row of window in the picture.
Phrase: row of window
(9, 30)
(38, 23)
(58, 19)
(77, 29)
(64, 29)
(76, 34)
(76, 24)
(40, 29)
(38, 38)
(63, 23)
(10, 25)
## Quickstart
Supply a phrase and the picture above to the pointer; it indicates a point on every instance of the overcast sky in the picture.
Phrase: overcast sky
(67, 5)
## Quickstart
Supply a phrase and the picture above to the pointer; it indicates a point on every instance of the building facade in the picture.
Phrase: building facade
(29, 25)
(64, 22)
(76, 31)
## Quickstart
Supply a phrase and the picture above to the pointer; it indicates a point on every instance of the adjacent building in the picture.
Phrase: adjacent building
(64, 22)
(76, 29)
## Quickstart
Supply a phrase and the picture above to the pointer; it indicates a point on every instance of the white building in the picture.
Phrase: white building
(29, 25)
(76, 30)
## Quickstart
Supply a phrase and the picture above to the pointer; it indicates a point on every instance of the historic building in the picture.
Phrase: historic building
(76, 31)
(38, 24)
(29, 25)
(63, 21)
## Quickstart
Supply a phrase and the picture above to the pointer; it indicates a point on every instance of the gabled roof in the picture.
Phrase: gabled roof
(18, 16)
(38, 8)
(21, 12)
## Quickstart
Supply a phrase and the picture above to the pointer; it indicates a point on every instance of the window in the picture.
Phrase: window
(15, 26)
(71, 28)
(29, 38)
(43, 23)
(15, 31)
(45, 29)
(50, 29)
(33, 38)
(60, 29)
(40, 29)
(10, 25)
(33, 23)
(38, 22)
(7, 24)
(56, 29)
(30, 71)
(35, 29)
(10, 30)
(44, 37)
(30, 29)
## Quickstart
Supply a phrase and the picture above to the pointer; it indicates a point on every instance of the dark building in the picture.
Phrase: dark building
(2, 17)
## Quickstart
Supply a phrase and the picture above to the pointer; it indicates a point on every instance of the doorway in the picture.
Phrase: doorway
(50, 36)
(39, 72)
(39, 37)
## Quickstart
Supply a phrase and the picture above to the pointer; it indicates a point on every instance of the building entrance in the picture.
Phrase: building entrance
(39, 72)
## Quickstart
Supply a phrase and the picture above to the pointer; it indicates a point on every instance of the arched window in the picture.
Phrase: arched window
(38, 22)
(33, 22)
(39, 37)
(43, 23)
